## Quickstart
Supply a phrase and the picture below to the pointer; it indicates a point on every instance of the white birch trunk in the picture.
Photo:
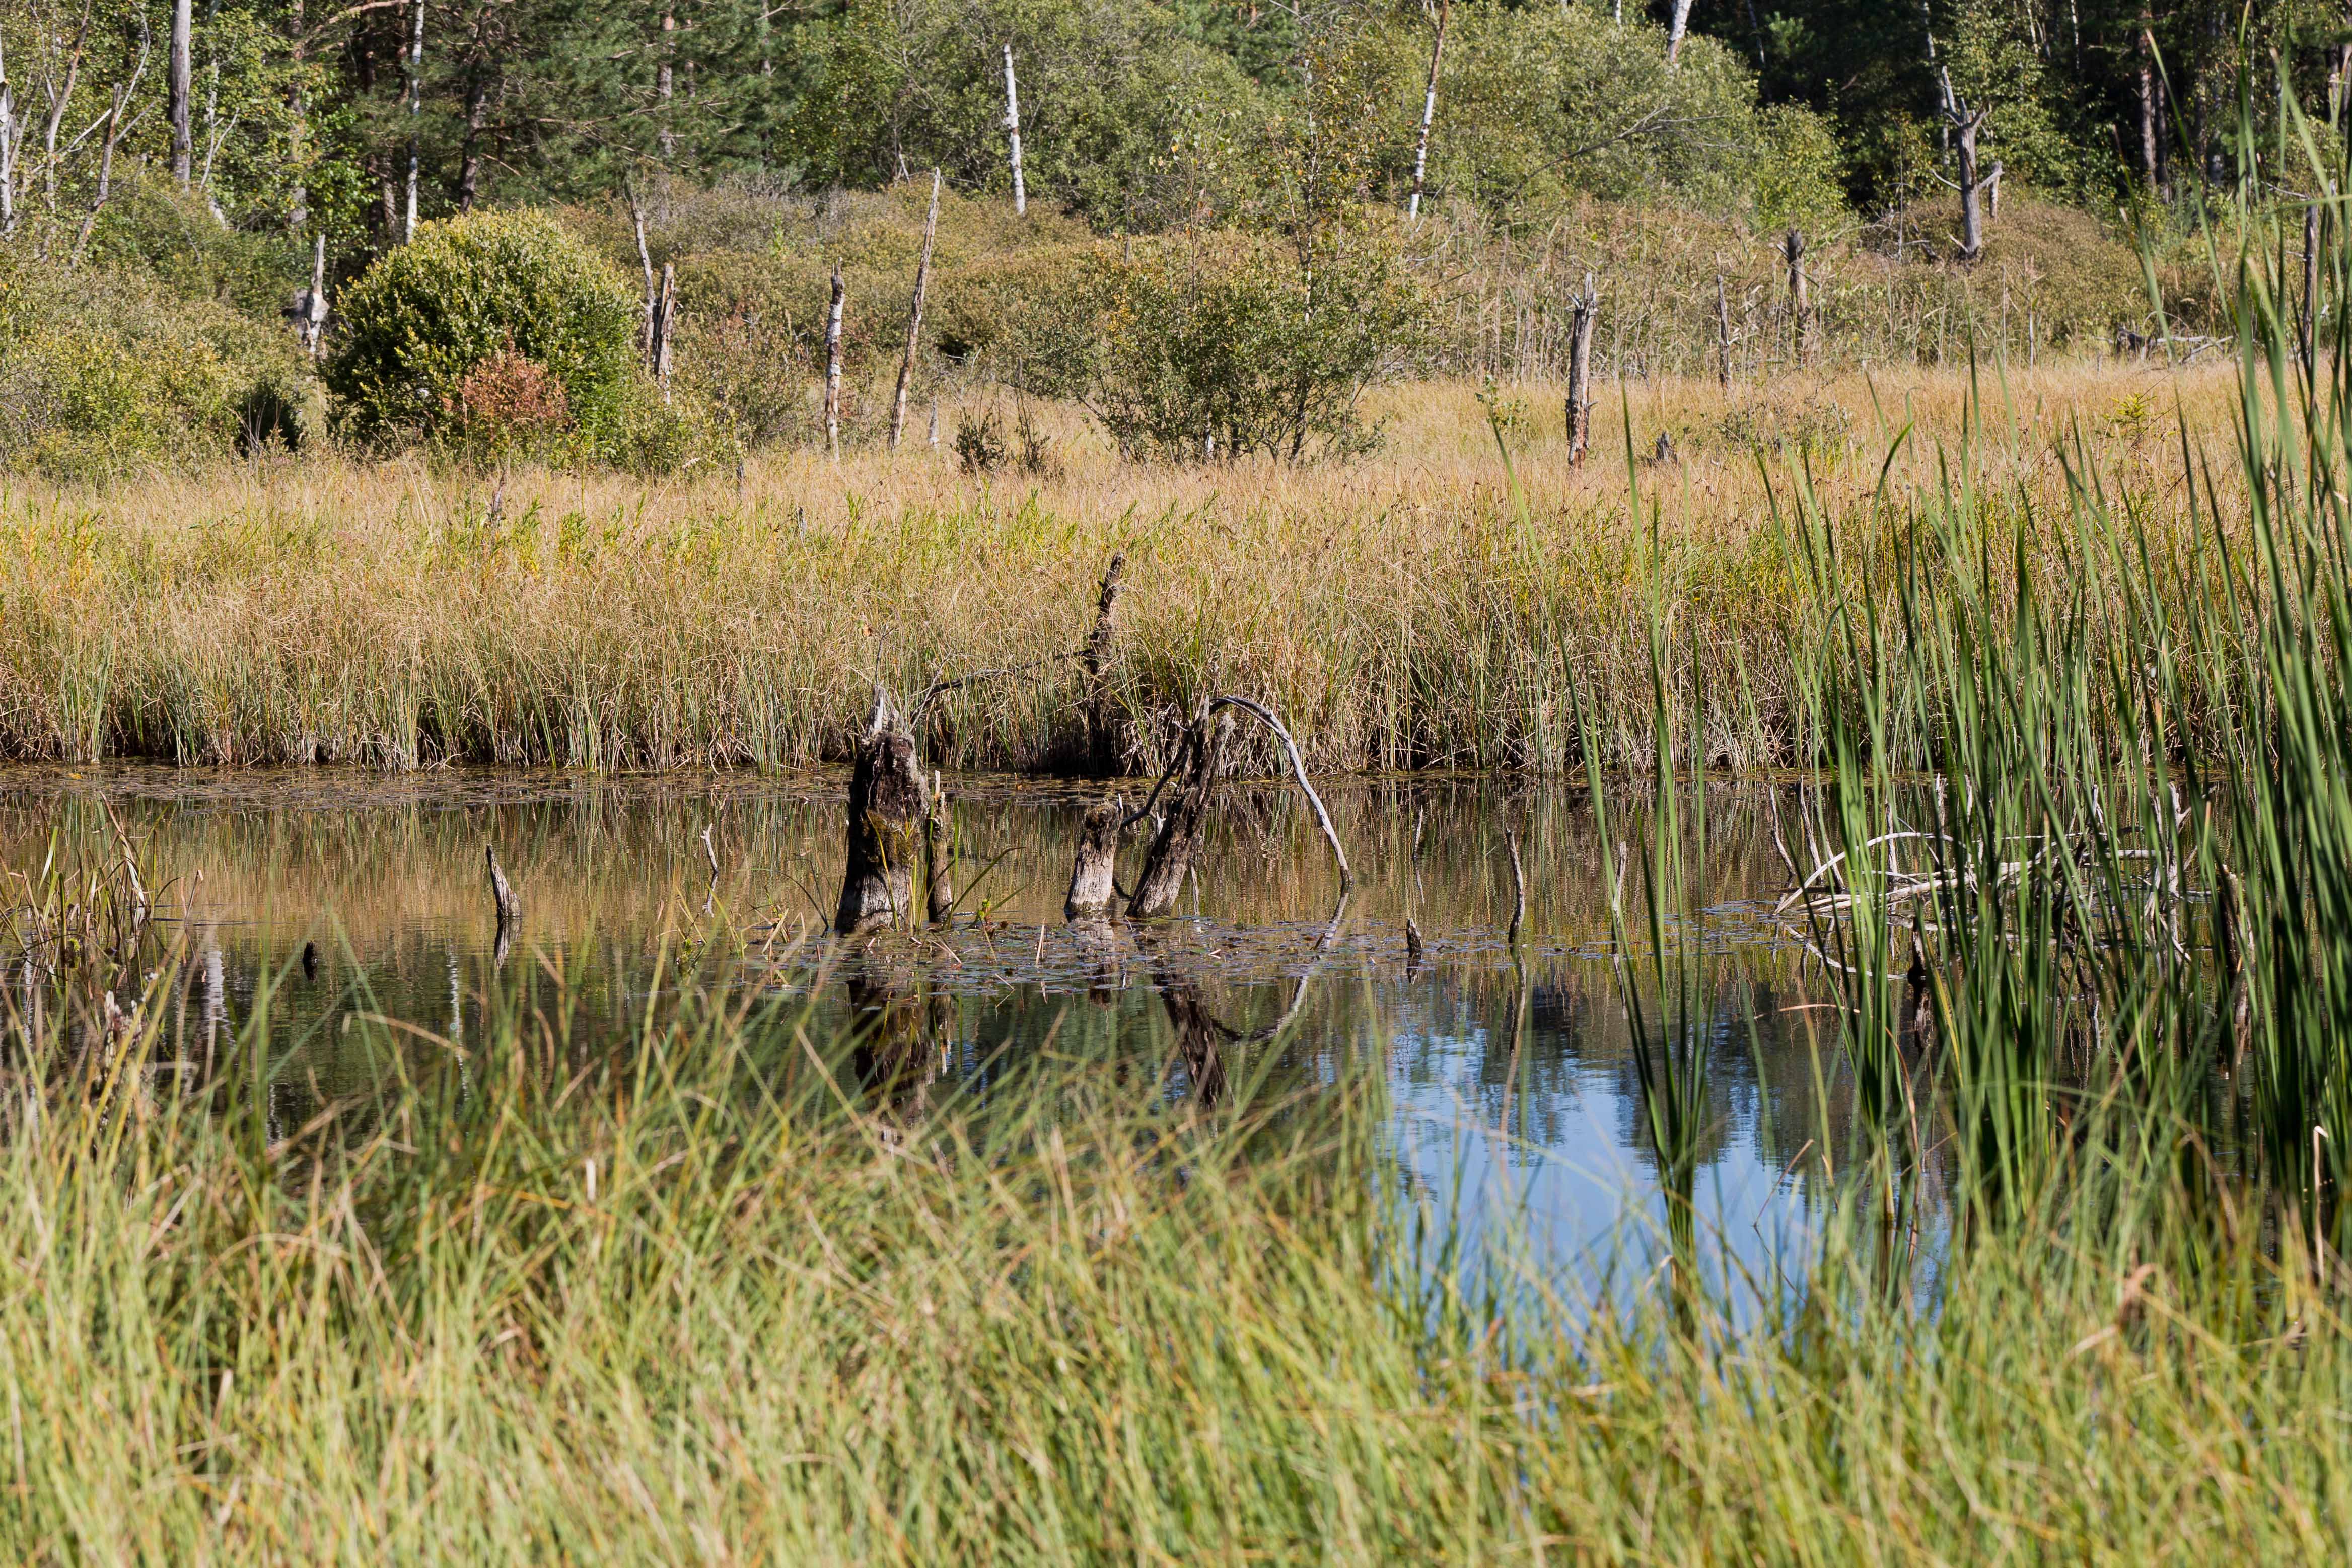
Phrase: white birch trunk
(416, 117)
(184, 143)
(833, 370)
(7, 153)
(1428, 113)
(1680, 25)
(1013, 132)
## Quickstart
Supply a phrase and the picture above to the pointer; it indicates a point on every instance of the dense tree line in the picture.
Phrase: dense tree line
(1137, 114)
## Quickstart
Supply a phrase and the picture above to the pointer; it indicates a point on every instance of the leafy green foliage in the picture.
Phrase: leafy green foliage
(1107, 91)
(1222, 344)
(101, 372)
(471, 287)
(1548, 102)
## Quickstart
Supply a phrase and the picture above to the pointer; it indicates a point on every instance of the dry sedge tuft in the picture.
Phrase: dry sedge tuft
(1402, 611)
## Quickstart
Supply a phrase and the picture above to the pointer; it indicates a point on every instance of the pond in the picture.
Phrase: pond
(1514, 1084)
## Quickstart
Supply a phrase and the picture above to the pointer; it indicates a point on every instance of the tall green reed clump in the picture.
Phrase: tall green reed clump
(2125, 947)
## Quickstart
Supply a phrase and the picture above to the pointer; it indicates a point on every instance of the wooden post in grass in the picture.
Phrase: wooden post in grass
(888, 800)
(1091, 882)
(915, 317)
(1580, 371)
(1801, 299)
(832, 369)
(1722, 336)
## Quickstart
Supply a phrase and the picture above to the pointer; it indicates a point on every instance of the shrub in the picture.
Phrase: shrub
(420, 320)
(1226, 343)
(103, 372)
(979, 443)
(507, 404)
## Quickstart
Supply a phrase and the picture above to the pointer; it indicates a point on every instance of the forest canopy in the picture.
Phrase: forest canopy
(1323, 193)
(1137, 115)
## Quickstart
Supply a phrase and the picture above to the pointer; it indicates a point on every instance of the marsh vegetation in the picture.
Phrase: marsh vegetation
(1708, 843)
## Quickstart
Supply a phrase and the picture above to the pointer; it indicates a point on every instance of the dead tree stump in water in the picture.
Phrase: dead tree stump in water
(1091, 882)
(501, 891)
(509, 906)
(1178, 841)
(939, 857)
(1104, 724)
(888, 800)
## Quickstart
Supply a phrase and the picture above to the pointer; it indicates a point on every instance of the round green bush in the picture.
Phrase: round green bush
(468, 287)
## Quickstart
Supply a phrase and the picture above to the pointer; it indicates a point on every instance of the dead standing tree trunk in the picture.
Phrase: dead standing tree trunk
(2310, 321)
(915, 317)
(1199, 760)
(939, 857)
(1178, 841)
(180, 91)
(665, 326)
(652, 295)
(832, 369)
(1801, 299)
(510, 908)
(1580, 371)
(1722, 336)
(1013, 132)
(416, 123)
(1678, 30)
(1104, 722)
(889, 802)
(1965, 127)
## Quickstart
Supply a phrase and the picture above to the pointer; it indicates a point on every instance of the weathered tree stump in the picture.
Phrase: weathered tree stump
(1105, 725)
(939, 857)
(888, 800)
(1579, 371)
(1092, 887)
(510, 908)
(1177, 842)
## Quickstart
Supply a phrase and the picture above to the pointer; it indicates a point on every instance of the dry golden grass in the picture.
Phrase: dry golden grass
(1403, 611)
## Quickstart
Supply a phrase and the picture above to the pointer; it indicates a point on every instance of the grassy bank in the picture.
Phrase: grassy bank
(1403, 612)
(717, 1302)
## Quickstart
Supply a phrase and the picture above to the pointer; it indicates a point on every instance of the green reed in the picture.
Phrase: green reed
(2113, 801)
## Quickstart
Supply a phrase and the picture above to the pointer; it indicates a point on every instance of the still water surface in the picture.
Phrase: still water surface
(1513, 1088)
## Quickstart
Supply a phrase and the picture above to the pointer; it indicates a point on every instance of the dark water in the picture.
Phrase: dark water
(1512, 1069)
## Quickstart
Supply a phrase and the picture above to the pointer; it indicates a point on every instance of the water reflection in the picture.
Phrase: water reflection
(1513, 1060)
